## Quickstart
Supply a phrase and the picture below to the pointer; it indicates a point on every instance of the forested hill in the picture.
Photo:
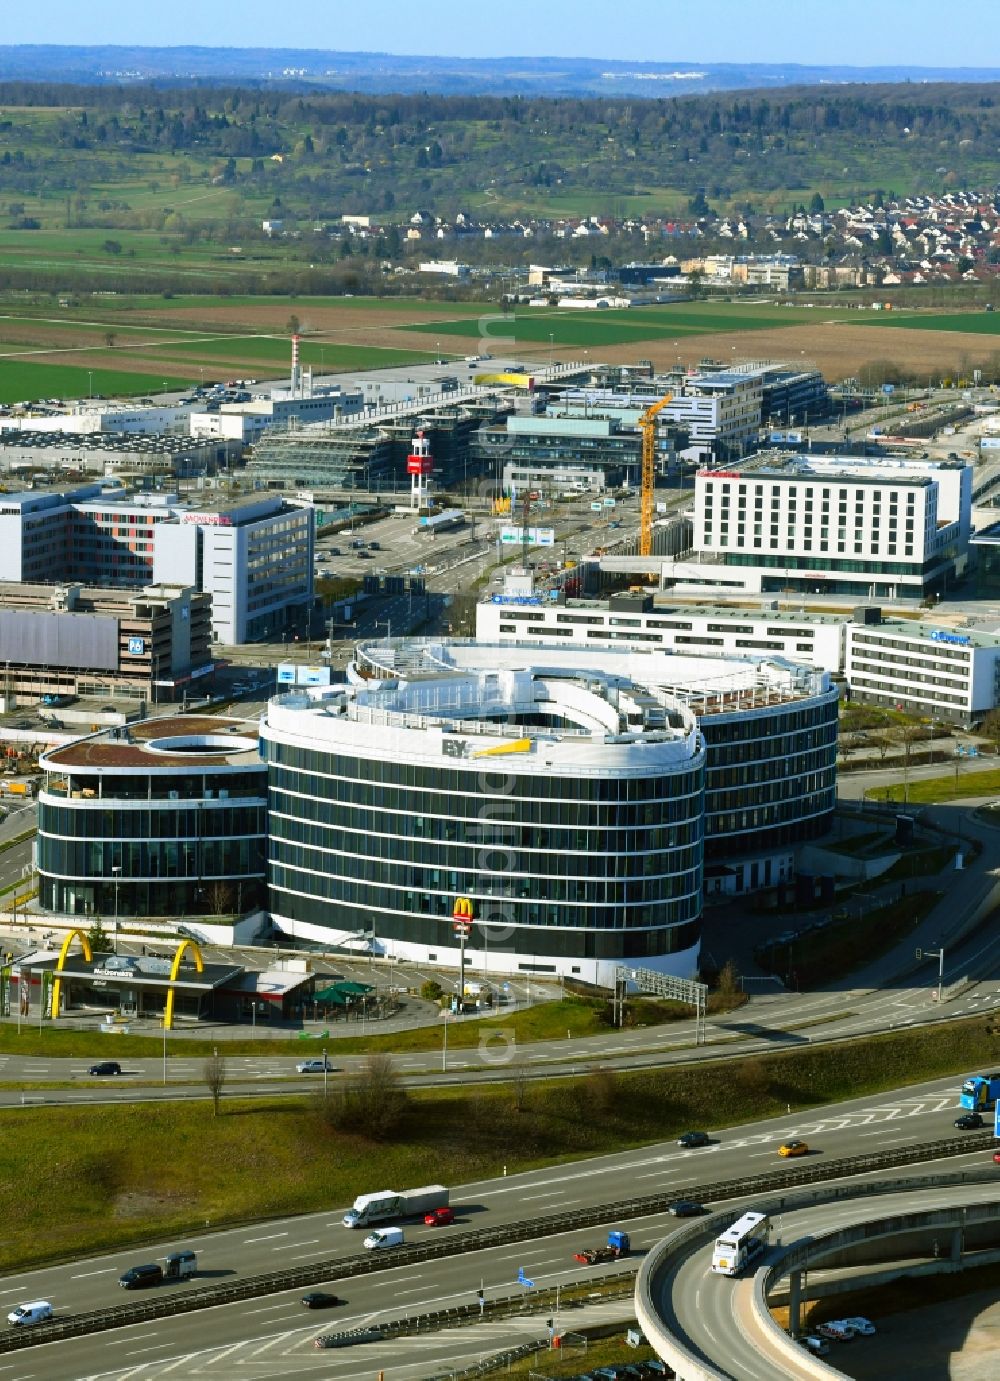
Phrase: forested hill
(383, 72)
(325, 150)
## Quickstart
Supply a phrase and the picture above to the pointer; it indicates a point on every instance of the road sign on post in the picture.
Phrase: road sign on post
(996, 1119)
(522, 1279)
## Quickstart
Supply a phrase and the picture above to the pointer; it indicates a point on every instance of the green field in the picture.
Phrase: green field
(596, 327)
(20, 381)
(972, 323)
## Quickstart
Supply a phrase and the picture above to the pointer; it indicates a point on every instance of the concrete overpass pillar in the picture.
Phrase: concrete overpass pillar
(957, 1246)
(794, 1301)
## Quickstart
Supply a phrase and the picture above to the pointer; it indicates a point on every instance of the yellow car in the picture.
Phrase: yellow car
(793, 1148)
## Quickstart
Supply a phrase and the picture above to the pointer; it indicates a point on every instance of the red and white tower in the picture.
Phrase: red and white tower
(420, 467)
(296, 379)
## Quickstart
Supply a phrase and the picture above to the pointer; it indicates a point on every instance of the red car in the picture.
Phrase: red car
(439, 1217)
(996, 1157)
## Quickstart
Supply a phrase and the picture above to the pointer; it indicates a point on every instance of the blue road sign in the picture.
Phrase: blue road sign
(996, 1119)
(522, 1279)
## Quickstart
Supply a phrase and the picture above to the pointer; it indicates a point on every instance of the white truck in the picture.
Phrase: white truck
(391, 1203)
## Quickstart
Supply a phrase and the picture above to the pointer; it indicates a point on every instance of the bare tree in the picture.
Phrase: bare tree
(371, 1103)
(519, 1084)
(214, 1074)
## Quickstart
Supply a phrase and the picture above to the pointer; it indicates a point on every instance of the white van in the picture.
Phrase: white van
(384, 1237)
(39, 1311)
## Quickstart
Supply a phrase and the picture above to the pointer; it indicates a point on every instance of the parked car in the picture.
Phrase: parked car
(819, 1347)
(686, 1208)
(322, 1066)
(969, 1121)
(138, 1277)
(689, 1139)
(320, 1299)
(835, 1329)
(439, 1217)
(105, 1067)
(793, 1148)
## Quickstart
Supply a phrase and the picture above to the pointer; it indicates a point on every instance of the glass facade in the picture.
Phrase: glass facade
(158, 846)
(556, 866)
(771, 777)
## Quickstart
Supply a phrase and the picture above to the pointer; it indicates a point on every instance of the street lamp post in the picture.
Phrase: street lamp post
(164, 1049)
(116, 869)
(937, 954)
(326, 1075)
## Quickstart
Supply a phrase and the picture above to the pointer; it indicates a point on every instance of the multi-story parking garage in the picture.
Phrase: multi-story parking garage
(568, 793)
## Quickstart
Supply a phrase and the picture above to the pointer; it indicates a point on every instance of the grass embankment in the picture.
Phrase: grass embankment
(569, 1017)
(572, 1360)
(75, 1182)
(981, 781)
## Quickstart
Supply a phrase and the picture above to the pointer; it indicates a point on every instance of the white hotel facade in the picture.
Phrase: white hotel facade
(872, 529)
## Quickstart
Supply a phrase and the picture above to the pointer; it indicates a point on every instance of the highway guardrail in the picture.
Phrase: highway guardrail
(453, 1244)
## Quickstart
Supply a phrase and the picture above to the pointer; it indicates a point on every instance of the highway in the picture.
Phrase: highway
(277, 1323)
(715, 1316)
(780, 1020)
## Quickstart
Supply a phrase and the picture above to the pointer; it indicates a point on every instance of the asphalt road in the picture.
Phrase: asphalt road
(277, 1323)
(714, 1315)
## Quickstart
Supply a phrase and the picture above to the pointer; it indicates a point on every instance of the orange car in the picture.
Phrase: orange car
(793, 1148)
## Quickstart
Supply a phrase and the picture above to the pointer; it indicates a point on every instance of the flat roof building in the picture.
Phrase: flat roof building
(254, 556)
(574, 796)
(152, 644)
(870, 528)
(165, 817)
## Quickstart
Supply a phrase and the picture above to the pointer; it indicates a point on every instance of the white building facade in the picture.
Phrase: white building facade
(871, 529)
(951, 674)
(628, 620)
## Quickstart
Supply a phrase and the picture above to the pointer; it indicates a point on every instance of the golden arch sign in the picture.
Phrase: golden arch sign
(462, 914)
(168, 1011)
(60, 962)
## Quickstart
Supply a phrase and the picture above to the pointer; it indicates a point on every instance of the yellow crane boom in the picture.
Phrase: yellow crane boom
(647, 424)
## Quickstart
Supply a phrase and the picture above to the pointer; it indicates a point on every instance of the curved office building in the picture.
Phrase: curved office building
(561, 790)
(166, 817)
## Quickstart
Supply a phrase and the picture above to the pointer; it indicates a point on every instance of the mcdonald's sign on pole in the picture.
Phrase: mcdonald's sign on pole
(462, 917)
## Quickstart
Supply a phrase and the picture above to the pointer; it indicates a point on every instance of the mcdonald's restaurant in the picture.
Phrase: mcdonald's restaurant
(137, 987)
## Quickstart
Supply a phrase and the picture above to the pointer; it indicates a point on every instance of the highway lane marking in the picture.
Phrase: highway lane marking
(269, 1238)
(105, 1270)
(120, 1342)
(289, 1245)
(267, 1308)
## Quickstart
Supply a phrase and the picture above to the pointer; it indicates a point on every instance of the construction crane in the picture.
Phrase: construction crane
(647, 424)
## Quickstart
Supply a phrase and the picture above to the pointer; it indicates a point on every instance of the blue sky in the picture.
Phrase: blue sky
(855, 32)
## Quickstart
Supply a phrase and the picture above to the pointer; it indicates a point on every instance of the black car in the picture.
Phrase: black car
(686, 1208)
(106, 1067)
(136, 1277)
(969, 1121)
(690, 1139)
(320, 1299)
